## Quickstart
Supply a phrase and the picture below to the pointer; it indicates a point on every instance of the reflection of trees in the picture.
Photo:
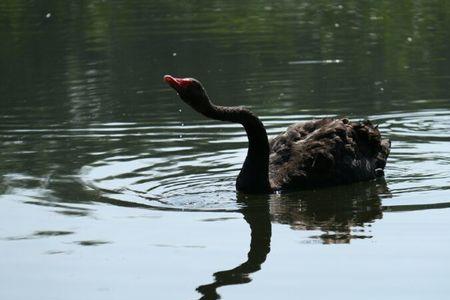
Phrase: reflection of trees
(90, 62)
(334, 210)
(402, 42)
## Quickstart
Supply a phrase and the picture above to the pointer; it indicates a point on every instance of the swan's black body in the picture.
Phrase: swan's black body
(311, 154)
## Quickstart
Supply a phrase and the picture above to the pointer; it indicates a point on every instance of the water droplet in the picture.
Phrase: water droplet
(336, 25)
(48, 15)
(179, 110)
(340, 6)
(409, 39)
(174, 54)
(382, 89)
(182, 124)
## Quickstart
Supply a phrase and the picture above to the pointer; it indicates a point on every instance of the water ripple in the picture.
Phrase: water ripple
(186, 177)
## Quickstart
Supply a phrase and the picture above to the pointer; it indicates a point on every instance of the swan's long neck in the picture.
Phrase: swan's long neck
(254, 175)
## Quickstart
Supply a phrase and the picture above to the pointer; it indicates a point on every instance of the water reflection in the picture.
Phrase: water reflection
(256, 212)
(338, 212)
(341, 213)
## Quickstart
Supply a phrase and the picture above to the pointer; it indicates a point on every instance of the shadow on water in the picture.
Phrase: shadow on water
(335, 211)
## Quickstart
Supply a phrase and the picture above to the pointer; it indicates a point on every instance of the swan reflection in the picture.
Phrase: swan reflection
(334, 211)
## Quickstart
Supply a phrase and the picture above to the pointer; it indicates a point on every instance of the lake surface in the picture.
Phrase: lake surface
(112, 188)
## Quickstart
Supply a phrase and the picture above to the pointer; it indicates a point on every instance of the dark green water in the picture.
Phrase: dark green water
(111, 188)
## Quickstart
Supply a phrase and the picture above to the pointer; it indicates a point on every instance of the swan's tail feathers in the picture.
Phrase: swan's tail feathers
(372, 145)
(383, 154)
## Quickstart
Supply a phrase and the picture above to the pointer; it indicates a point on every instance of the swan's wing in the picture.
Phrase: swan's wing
(325, 152)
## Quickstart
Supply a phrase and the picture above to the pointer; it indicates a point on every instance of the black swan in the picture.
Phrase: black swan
(307, 155)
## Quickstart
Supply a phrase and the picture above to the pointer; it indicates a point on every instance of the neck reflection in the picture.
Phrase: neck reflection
(256, 213)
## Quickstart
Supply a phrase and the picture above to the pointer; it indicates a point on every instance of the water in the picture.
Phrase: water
(112, 188)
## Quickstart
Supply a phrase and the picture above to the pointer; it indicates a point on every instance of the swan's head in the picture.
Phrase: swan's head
(190, 91)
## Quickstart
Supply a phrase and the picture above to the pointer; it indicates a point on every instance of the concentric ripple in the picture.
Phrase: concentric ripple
(419, 165)
(194, 166)
(175, 172)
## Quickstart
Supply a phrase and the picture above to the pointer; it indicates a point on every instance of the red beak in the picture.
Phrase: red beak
(177, 83)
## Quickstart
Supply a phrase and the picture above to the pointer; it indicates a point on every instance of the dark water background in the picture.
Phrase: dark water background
(111, 188)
